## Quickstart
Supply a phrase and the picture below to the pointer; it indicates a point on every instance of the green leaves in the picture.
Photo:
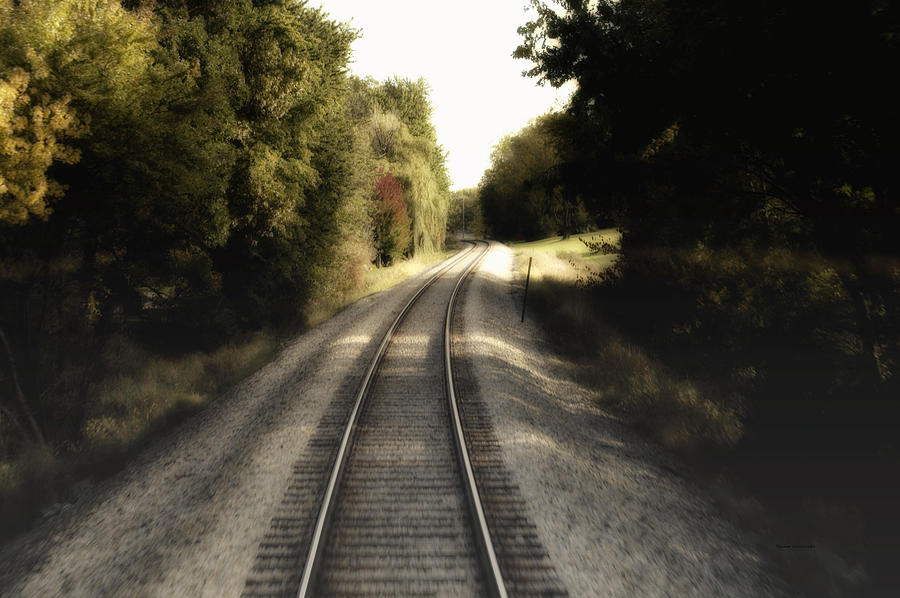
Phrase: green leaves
(31, 134)
(391, 222)
(395, 120)
(177, 126)
(731, 125)
(524, 193)
(185, 169)
(215, 130)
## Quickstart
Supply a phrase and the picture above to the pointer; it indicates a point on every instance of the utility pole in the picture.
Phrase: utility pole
(463, 197)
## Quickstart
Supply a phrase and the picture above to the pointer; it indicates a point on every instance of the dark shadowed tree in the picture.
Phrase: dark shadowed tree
(524, 194)
(732, 124)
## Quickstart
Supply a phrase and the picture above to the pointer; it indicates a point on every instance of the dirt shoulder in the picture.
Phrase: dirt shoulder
(617, 514)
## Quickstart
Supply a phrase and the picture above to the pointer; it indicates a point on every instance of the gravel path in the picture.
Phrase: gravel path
(610, 508)
(186, 518)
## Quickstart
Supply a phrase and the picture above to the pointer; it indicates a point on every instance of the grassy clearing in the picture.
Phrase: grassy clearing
(557, 245)
(679, 413)
(141, 396)
(570, 250)
(380, 279)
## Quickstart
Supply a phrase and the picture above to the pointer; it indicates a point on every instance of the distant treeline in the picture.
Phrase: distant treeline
(748, 153)
(466, 213)
(180, 171)
(526, 191)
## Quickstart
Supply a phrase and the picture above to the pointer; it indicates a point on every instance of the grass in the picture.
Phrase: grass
(680, 413)
(571, 249)
(380, 279)
(558, 244)
(145, 390)
(142, 396)
(374, 281)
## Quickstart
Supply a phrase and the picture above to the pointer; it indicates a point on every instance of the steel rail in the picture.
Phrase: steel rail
(314, 555)
(485, 544)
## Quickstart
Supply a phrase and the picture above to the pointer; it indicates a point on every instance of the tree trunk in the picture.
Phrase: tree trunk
(20, 396)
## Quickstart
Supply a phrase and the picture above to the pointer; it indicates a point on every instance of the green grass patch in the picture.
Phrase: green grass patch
(574, 259)
(557, 245)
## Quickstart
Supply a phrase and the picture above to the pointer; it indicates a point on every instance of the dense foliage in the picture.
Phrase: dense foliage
(179, 171)
(746, 152)
(466, 213)
(731, 139)
(403, 142)
(390, 220)
(525, 193)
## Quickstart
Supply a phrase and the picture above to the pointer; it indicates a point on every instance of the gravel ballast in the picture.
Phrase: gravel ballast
(611, 508)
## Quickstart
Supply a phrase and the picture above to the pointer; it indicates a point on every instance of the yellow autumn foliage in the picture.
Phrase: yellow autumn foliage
(30, 132)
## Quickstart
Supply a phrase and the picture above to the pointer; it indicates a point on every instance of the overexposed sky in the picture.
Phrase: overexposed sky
(463, 49)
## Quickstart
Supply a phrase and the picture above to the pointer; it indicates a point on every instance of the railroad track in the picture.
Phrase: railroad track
(399, 512)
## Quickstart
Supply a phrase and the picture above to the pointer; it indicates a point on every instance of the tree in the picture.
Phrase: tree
(174, 169)
(404, 142)
(391, 222)
(523, 193)
(104, 63)
(98, 81)
(274, 75)
(465, 212)
(31, 134)
(704, 119)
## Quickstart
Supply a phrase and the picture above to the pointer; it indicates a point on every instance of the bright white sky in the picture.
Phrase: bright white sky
(463, 49)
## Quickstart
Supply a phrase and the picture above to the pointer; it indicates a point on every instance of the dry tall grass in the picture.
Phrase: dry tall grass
(374, 281)
(680, 413)
(691, 416)
(145, 390)
(140, 396)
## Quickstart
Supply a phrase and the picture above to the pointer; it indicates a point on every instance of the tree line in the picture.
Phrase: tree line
(525, 194)
(180, 171)
(747, 153)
